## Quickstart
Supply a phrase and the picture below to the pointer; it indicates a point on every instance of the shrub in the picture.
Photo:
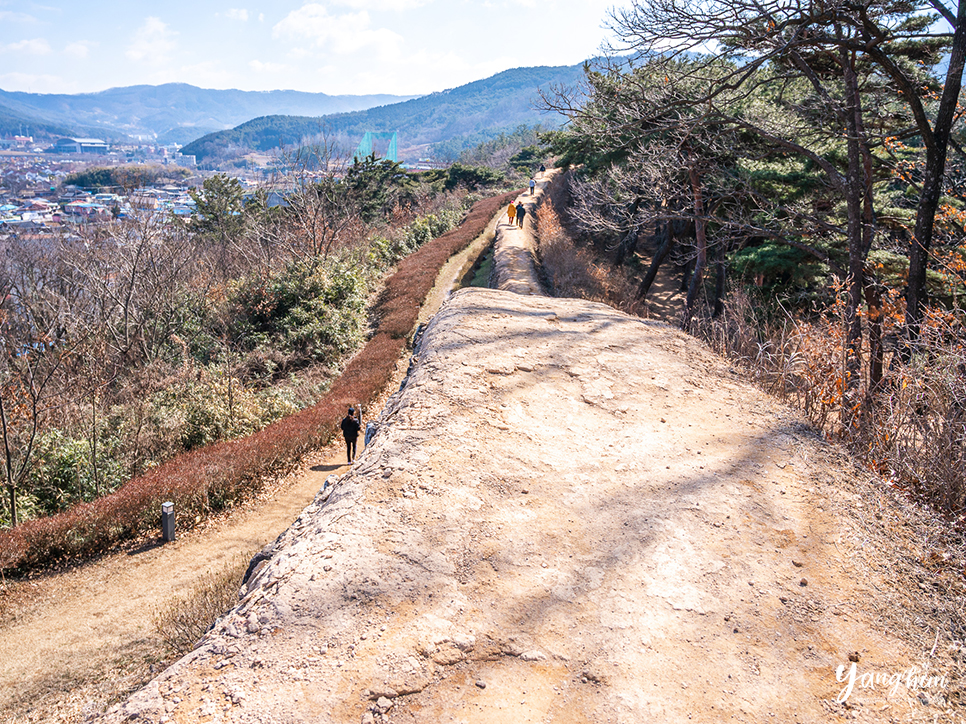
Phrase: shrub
(311, 309)
(63, 473)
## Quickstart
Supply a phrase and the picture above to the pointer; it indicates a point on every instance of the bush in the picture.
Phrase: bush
(311, 309)
(63, 473)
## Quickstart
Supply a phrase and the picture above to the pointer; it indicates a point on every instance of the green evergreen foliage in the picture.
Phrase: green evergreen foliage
(123, 177)
(377, 186)
(309, 309)
(472, 178)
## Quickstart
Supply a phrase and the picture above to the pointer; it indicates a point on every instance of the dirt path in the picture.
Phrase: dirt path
(92, 627)
(515, 268)
(572, 515)
(73, 641)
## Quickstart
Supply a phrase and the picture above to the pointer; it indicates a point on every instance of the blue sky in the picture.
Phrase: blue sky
(350, 46)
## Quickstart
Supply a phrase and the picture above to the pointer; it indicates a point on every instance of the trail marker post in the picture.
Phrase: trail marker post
(167, 522)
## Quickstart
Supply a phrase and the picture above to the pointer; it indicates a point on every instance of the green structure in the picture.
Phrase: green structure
(365, 146)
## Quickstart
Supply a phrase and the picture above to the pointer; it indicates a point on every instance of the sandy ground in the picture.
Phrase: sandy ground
(570, 515)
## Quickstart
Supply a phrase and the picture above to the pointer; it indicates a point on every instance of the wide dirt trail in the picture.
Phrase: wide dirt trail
(567, 515)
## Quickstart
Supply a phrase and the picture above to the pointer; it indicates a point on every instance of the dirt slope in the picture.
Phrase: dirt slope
(568, 515)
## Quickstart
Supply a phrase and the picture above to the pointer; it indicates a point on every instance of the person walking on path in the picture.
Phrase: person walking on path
(350, 431)
(521, 212)
(533, 184)
(511, 212)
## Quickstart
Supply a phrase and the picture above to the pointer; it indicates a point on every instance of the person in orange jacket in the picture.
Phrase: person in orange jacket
(511, 213)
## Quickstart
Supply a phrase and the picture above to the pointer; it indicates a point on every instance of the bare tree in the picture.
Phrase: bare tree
(320, 209)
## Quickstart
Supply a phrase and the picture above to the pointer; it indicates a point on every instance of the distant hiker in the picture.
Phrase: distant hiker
(521, 212)
(543, 169)
(350, 431)
(533, 185)
(511, 212)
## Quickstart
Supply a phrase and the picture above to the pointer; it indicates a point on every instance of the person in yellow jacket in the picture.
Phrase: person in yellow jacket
(511, 213)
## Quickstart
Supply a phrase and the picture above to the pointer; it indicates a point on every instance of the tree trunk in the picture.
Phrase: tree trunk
(94, 471)
(855, 196)
(720, 281)
(9, 481)
(627, 246)
(701, 242)
(686, 269)
(873, 300)
(932, 182)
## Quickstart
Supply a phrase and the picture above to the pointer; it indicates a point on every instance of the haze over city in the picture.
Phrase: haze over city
(342, 47)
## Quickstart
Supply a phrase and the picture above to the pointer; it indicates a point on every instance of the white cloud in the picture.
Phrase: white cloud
(384, 4)
(153, 42)
(7, 16)
(208, 74)
(80, 49)
(260, 67)
(35, 83)
(343, 34)
(237, 14)
(36, 46)
(261, 17)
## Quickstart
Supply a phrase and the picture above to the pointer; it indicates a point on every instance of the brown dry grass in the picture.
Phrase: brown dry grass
(182, 622)
(572, 271)
(909, 430)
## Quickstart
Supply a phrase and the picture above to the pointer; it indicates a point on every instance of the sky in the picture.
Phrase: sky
(405, 47)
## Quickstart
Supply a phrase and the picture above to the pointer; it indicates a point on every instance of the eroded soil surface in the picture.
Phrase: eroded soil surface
(572, 515)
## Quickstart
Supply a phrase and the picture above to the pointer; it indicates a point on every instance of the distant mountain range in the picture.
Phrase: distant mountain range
(224, 124)
(170, 113)
(501, 102)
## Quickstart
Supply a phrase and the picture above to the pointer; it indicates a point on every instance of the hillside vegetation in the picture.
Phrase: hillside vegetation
(501, 102)
(147, 339)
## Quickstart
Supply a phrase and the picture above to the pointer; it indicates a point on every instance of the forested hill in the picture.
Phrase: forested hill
(505, 100)
(13, 123)
(175, 112)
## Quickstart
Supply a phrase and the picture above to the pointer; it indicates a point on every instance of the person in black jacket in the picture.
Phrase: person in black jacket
(350, 431)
